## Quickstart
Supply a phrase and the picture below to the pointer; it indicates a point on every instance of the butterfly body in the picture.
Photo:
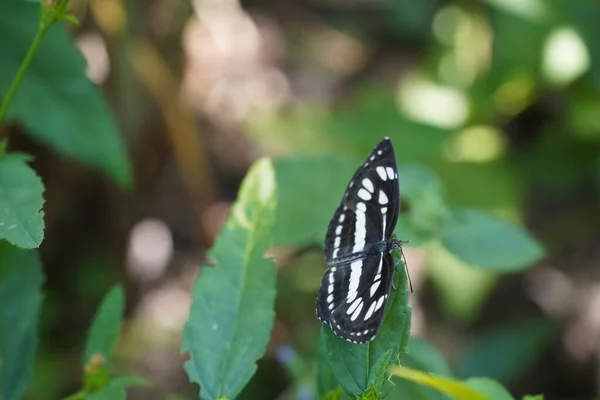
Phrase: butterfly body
(355, 288)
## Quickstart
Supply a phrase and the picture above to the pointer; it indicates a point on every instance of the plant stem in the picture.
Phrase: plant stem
(48, 16)
(21, 72)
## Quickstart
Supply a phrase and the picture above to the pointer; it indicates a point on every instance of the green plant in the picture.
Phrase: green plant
(36, 101)
(234, 301)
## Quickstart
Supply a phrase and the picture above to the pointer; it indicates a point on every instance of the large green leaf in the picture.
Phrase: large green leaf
(233, 302)
(507, 351)
(482, 240)
(106, 326)
(326, 382)
(56, 101)
(362, 368)
(301, 179)
(21, 201)
(426, 200)
(20, 296)
(115, 390)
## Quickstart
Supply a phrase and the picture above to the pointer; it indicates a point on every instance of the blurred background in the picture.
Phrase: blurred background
(498, 97)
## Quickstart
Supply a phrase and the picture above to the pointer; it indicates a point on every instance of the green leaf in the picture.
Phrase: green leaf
(449, 386)
(480, 239)
(360, 367)
(21, 201)
(424, 192)
(423, 357)
(299, 223)
(327, 385)
(335, 394)
(533, 397)
(20, 296)
(115, 390)
(463, 289)
(490, 388)
(105, 329)
(508, 351)
(233, 302)
(56, 101)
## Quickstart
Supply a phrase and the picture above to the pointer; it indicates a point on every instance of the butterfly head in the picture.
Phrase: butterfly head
(394, 244)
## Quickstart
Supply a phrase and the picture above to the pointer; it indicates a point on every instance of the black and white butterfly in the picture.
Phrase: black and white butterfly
(355, 288)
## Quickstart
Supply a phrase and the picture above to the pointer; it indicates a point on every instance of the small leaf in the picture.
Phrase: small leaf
(358, 367)
(335, 394)
(21, 200)
(378, 373)
(506, 352)
(57, 103)
(106, 326)
(490, 388)
(71, 18)
(424, 357)
(533, 397)
(233, 302)
(115, 390)
(20, 296)
(449, 386)
(483, 240)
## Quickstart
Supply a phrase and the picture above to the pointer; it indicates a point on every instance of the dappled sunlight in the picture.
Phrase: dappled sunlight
(93, 49)
(150, 250)
(534, 10)
(166, 307)
(231, 62)
(467, 38)
(514, 95)
(431, 103)
(478, 143)
(565, 57)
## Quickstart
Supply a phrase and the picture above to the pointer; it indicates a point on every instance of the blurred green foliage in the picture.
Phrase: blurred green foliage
(56, 101)
(497, 109)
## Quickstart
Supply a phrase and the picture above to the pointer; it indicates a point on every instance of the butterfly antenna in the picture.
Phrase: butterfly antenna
(406, 265)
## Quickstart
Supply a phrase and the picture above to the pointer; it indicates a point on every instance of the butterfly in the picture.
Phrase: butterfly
(355, 288)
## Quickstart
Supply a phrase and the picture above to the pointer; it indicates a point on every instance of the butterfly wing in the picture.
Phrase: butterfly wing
(369, 209)
(353, 296)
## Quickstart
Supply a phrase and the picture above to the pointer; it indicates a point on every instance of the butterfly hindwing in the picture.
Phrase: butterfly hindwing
(353, 296)
(369, 209)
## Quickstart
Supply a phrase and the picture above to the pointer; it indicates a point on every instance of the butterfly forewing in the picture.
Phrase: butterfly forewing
(355, 297)
(369, 208)
(354, 289)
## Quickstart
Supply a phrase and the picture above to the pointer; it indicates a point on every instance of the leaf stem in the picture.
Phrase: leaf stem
(51, 12)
